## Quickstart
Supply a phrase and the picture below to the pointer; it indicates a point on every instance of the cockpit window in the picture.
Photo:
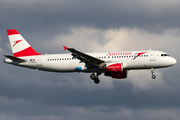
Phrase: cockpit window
(164, 55)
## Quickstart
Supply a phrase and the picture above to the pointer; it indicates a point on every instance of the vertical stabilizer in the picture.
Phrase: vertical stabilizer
(20, 47)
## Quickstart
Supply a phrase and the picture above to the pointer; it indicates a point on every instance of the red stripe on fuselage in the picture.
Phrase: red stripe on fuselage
(12, 32)
(26, 52)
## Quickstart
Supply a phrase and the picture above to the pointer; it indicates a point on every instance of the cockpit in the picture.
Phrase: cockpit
(162, 55)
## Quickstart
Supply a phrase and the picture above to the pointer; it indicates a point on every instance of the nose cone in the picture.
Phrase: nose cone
(173, 61)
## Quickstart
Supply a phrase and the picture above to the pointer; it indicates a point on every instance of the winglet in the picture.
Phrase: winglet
(65, 48)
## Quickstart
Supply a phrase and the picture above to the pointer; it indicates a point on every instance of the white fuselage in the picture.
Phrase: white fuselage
(66, 63)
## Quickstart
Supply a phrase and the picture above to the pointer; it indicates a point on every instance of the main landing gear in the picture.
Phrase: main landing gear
(95, 77)
(152, 72)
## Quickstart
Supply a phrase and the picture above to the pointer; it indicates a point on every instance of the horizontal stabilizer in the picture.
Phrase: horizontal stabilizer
(15, 58)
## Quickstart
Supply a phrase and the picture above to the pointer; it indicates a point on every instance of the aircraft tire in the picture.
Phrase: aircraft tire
(96, 80)
(92, 76)
(153, 76)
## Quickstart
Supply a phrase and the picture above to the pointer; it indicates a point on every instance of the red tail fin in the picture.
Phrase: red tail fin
(20, 47)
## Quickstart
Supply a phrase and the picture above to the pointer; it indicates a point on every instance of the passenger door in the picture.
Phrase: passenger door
(39, 61)
(152, 55)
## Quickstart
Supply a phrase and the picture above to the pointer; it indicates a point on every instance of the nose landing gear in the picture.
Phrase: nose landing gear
(152, 72)
(95, 77)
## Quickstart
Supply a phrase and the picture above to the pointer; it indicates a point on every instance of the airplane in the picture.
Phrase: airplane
(111, 64)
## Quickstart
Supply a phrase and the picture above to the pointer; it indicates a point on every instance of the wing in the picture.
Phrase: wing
(84, 57)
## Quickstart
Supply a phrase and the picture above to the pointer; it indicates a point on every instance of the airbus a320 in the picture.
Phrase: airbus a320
(111, 64)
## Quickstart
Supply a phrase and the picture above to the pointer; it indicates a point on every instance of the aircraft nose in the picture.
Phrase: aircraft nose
(174, 61)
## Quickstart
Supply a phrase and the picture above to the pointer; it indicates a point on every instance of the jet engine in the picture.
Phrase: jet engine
(117, 75)
(114, 67)
(116, 70)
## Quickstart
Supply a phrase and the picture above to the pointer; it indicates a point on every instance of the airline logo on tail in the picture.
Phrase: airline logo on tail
(16, 42)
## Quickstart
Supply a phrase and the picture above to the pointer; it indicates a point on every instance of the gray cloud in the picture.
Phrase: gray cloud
(102, 14)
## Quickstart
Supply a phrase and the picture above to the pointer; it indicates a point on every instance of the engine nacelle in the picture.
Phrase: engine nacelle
(114, 67)
(117, 75)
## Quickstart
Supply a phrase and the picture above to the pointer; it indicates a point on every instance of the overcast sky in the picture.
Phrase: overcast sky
(90, 26)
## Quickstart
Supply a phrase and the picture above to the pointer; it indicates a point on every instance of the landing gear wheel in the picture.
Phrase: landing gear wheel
(152, 72)
(95, 77)
(96, 80)
(92, 76)
(153, 76)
